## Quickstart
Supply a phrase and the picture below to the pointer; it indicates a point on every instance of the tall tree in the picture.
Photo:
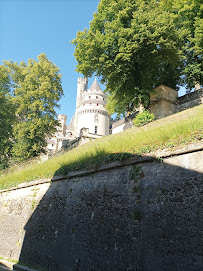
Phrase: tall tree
(189, 19)
(133, 45)
(36, 92)
(7, 117)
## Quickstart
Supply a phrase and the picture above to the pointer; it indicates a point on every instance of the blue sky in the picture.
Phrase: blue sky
(31, 27)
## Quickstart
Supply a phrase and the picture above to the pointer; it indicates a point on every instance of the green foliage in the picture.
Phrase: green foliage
(133, 46)
(7, 117)
(189, 21)
(135, 173)
(176, 130)
(143, 118)
(113, 105)
(36, 92)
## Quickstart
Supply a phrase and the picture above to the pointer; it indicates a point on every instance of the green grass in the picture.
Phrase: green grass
(176, 130)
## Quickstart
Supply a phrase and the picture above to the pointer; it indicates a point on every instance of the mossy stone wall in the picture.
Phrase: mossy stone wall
(144, 216)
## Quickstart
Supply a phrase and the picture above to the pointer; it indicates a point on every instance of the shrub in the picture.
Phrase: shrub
(143, 118)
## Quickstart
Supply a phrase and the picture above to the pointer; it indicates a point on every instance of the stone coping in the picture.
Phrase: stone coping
(7, 265)
(190, 96)
(148, 157)
(158, 100)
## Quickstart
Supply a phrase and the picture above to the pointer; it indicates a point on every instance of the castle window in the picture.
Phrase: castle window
(90, 104)
(95, 129)
(97, 97)
(96, 118)
(89, 97)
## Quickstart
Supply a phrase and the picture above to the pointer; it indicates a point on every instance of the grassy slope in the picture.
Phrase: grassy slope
(179, 129)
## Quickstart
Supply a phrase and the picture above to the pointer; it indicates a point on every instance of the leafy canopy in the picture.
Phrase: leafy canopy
(133, 46)
(36, 92)
(136, 45)
(189, 20)
(7, 117)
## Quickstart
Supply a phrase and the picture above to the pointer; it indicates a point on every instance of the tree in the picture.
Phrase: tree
(36, 92)
(133, 46)
(189, 22)
(7, 117)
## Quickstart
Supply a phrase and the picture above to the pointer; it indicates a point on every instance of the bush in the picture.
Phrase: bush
(143, 118)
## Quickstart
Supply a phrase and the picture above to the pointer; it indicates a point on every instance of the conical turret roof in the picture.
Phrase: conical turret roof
(95, 86)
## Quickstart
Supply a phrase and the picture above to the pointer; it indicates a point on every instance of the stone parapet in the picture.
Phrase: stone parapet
(197, 94)
(164, 101)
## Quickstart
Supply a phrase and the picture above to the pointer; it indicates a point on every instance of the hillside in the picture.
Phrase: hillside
(176, 130)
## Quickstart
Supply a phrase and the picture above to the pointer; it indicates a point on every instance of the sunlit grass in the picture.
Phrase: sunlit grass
(179, 129)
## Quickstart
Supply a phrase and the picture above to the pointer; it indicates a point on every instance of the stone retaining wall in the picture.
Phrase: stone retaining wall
(145, 213)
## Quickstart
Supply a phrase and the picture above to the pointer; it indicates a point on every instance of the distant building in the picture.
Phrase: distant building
(91, 119)
(90, 109)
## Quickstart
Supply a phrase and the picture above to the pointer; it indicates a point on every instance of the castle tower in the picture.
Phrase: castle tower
(62, 128)
(82, 84)
(91, 113)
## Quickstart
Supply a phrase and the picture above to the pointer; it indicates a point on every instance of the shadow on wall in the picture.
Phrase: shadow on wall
(145, 216)
(3, 267)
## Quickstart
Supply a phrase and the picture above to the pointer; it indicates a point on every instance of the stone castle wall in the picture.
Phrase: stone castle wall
(190, 100)
(139, 214)
(197, 94)
(164, 101)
